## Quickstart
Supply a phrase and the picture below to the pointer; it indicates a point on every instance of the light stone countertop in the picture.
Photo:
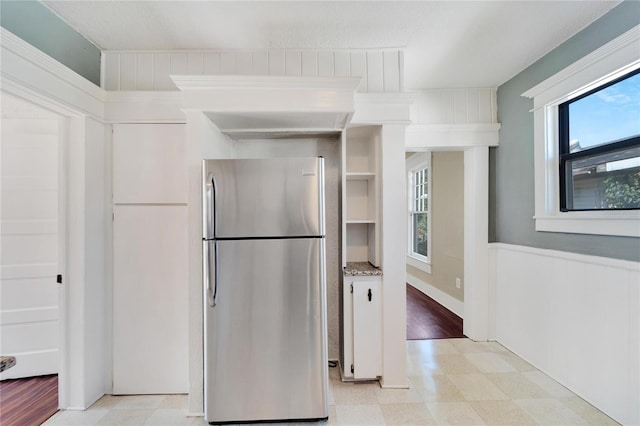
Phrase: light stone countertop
(365, 269)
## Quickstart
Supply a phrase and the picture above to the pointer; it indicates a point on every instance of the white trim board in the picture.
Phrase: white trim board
(451, 303)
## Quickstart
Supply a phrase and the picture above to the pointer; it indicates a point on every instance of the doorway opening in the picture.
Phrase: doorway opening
(435, 250)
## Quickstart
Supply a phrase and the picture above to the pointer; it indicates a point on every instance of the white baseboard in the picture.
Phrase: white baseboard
(446, 300)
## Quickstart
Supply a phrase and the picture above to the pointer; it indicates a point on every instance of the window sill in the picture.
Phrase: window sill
(625, 224)
(420, 264)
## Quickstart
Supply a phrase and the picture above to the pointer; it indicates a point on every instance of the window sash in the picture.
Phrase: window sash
(566, 157)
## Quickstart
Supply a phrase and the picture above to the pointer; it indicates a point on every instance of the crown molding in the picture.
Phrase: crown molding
(624, 47)
(25, 66)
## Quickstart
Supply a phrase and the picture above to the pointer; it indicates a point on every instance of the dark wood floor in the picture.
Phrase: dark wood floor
(427, 319)
(29, 401)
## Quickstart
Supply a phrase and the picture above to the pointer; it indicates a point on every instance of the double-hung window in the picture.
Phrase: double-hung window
(419, 197)
(599, 135)
(587, 143)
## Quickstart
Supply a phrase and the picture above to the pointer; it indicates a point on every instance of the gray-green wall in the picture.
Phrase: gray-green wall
(41, 28)
(511, 164)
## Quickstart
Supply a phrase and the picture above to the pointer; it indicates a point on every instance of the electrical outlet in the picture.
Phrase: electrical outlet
(457, 282)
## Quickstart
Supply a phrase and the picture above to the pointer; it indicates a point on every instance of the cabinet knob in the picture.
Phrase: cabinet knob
(369, 295)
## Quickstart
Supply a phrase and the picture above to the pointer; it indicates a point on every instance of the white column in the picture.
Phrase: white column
(476, 246)
(393, 243)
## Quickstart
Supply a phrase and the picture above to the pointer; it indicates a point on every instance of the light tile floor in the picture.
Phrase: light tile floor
(451, 382)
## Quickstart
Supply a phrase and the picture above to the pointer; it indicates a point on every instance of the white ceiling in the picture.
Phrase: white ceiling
(447, 43)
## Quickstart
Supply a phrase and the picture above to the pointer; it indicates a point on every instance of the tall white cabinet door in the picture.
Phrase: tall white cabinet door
(367, 338)
(149, 164)
(150, 348)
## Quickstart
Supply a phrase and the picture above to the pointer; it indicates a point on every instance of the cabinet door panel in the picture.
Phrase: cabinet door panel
(150, 348)
(149, 164)
(366, 329)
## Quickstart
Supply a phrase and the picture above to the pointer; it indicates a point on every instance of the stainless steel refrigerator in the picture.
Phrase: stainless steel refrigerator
(264, 289)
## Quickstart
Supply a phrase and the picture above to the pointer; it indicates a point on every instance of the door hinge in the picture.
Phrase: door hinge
(59, 279)
(351, 368)
(351, 288)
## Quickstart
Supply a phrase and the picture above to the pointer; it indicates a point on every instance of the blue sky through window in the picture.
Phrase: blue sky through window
(610, 114)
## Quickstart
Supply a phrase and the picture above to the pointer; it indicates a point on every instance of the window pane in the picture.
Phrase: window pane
(606, 181)
(420, 233)
(608, 115)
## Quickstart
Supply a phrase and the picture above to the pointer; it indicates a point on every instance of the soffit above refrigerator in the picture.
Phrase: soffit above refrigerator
(242, 106)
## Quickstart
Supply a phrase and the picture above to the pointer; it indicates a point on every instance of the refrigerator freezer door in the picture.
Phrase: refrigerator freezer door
(265, 345)
(263, 198)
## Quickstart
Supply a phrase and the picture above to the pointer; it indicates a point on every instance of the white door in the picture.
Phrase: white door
(30, 247)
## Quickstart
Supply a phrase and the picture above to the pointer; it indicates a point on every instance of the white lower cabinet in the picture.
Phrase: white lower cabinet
(362, 345)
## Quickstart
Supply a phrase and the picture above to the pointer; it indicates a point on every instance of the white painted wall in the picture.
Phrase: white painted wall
(576, 318)
(381, 70)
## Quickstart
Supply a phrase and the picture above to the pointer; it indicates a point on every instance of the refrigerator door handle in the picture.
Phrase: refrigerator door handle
(210, 272)
(209, 205)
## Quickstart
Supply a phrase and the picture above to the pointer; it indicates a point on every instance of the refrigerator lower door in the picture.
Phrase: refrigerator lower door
(265, 339)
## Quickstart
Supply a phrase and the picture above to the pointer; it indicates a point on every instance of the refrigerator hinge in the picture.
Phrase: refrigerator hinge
(351, 368)
(351, 288)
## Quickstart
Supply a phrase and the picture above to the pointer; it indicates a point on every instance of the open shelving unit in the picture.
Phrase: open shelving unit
(360, 153)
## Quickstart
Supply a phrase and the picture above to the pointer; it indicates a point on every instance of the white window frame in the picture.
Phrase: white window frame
(614, 59)
(415, 163)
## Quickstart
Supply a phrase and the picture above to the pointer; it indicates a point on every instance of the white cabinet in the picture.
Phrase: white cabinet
(150, 348)
(362, 346)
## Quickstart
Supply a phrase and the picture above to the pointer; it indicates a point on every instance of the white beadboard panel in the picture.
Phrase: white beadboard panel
(161, 72)
(244, 63)
(460, 106)
(375, 72)
(277, 62)
(391, 71)
(575, 317)
(144, 72)
(128, 71)
(111, 77)
(342, 64)
(211, 63)
(293, 63)
(178, 63)
(195, 63)
(454, 106)
(228, 63)
(309, 63)
(325, 64)
(487, 114)
(473, 105)
(359, 69)
(260, 61)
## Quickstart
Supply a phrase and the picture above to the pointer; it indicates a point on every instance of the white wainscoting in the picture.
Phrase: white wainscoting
(576, 318)
(381, 70)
